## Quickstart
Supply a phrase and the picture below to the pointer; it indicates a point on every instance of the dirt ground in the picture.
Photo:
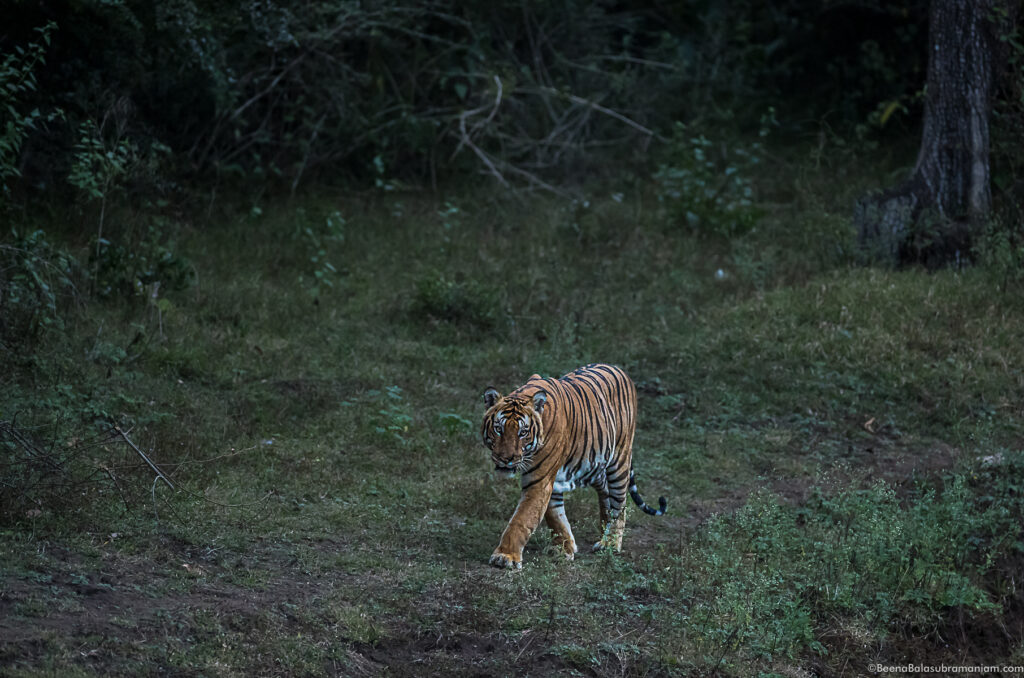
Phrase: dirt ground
(102, 615)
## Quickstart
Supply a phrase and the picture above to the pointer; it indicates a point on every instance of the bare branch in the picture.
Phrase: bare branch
(465, 137)
(601, 109)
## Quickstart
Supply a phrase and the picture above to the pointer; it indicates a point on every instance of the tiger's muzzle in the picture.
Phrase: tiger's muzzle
(506, 468)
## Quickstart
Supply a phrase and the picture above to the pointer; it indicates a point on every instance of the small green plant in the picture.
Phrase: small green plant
(382, 179)
(455, 423)
(393, 418)
(99, 168)
(450, 216)
(319, 241)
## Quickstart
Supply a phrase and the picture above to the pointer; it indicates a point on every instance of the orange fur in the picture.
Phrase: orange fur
(561, 434)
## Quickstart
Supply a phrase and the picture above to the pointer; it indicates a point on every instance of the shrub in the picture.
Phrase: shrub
(17, 80)
(459, 300)
(1000, 249)
(706, 186)
(763, 575)
(141, 267)
(36, 278)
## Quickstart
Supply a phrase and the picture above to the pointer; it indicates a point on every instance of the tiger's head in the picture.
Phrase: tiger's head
(513, 429)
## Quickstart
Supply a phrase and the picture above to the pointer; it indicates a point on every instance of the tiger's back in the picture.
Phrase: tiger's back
(594, 425)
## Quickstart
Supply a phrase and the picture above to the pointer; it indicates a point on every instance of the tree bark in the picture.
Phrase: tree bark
(929, 218)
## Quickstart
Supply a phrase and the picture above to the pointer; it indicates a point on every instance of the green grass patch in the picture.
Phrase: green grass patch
(314, 393)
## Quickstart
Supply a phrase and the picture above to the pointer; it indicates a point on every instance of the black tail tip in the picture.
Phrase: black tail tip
(662, 504)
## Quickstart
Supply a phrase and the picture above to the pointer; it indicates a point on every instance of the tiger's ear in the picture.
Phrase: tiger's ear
(491, 396)
(540, 399)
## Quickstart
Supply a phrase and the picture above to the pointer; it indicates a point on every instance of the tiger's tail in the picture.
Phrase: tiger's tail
(635, 493)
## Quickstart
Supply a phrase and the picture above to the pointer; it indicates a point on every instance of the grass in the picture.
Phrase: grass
(815, 426)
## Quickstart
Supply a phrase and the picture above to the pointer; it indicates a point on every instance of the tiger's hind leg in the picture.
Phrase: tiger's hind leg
(611, 496)
(556, 520)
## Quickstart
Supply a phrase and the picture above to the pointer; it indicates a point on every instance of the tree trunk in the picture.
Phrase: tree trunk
(929, 218)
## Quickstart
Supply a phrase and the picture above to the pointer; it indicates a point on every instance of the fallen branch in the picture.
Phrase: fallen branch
(160, 475)
(156, 469)
(63, 470)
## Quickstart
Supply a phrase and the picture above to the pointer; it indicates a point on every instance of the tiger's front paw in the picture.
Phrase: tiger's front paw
(506, 560)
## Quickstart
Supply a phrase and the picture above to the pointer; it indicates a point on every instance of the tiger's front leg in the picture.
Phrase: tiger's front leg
(532, 505)
(555, 517)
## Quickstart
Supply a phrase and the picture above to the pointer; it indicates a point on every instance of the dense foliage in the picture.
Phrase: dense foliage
(408, 91)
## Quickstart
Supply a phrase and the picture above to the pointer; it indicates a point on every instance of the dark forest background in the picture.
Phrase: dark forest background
(354, 92)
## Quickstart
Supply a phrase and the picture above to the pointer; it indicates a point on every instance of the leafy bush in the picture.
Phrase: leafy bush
(707, 186)
(98, 168)
(35, 278)
(17, 80)
(141, 267)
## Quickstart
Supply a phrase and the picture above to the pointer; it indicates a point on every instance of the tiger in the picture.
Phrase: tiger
(560, 434)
